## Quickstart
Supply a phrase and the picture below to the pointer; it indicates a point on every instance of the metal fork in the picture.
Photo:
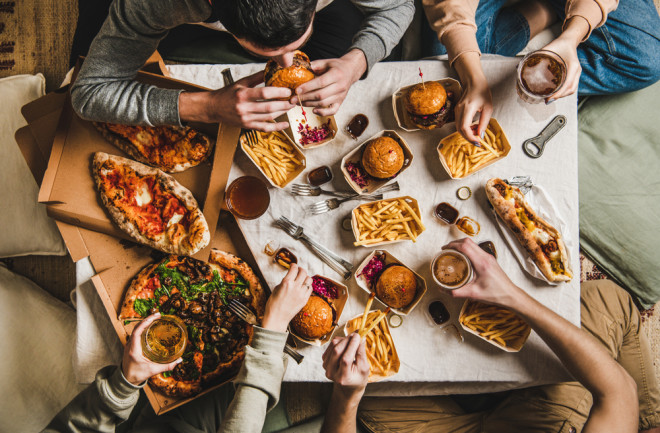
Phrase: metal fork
(250, 136)
(245, 314)
(338, 264)
(333, 203)
(310, 190)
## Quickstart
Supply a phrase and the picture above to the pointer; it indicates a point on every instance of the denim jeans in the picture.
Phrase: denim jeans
(621, 56)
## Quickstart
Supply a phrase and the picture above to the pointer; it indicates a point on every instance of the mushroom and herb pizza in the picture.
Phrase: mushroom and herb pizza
(170, 148)
(150, 205)
(198, 293)
(541, 240)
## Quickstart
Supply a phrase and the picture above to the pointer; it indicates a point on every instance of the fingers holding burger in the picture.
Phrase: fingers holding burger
(292, 76)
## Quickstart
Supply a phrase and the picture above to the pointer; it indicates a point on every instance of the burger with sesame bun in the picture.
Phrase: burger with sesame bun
(291, 77)
(427, 105)
(396, 286)
(316, 319)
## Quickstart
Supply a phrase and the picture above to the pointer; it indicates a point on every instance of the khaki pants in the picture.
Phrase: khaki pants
(608, 313)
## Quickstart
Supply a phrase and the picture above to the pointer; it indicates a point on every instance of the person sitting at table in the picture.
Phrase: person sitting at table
(603, 54)
(359, 33)
(617, 390)
(110, 400)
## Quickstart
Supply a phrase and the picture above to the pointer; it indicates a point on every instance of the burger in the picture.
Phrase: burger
(315, 320)
(427, 105)
(382, 157)
(293, 76)
(396, 286)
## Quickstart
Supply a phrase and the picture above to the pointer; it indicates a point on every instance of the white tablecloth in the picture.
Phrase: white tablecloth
(433, 362)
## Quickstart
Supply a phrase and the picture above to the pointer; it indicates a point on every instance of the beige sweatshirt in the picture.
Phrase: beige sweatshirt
(454, 20)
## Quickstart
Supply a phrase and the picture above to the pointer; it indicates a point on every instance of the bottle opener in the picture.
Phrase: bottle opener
(534, 147)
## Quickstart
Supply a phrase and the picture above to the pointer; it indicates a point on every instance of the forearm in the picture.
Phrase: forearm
(258, 383)
(576, 29)
(586, 359)
(454, 22)
(341, 416)
(194, 107)
(468, 67)
(383, 27)
(592, 11)
(104, 404)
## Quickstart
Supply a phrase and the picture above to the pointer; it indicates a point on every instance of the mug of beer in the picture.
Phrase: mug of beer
(451, 270)
(540, 74)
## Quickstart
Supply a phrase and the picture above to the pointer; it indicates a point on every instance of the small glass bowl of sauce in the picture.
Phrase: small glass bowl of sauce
(285, 258)
(165, 339)
(319, 176)
(357, 125)
(438, 312)
(247, 197)
(449, 214)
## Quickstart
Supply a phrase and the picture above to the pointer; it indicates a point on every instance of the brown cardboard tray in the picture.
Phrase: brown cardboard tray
(68, 187)
(117, 261)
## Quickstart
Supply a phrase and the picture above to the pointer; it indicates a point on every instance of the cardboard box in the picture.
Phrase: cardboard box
(513, 346)
(291, 176)
(68, 187)
(296, 118)
(390, 260)
(354, 219)
(117, 261)
(399, 107)
(355, 156)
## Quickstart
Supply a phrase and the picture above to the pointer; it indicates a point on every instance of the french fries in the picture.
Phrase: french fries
(496, 324)
(383, 359)
(275, 155)
(388, 220)
(463, 158)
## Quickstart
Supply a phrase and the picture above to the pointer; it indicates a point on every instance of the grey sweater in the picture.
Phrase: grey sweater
(106, 89)
(111, 398)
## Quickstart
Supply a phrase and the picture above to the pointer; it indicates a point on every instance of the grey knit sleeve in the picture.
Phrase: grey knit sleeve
(105, 89)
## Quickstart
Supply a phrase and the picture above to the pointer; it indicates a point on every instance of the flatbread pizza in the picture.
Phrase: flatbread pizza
(540, 239)
(169, 148)
(149, 205)
(198, 293)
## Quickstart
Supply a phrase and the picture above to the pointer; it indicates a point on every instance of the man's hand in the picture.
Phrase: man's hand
(241, 104)
(134, 365)
(346, 364)
(334, 78)
(476, 97)
(566, 46)
(490, 283)
(287, 299)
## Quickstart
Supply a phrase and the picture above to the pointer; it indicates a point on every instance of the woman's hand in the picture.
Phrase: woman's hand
(566, 47)
(476, 98)
(346, 364)
(134, 365)
(334, 78)
(287, 299)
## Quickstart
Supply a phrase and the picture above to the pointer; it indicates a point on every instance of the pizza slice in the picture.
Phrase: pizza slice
(198, 293)
(541, 240)
(149, 205)
(169, 148)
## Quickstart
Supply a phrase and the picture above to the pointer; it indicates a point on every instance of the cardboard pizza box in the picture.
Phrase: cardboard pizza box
(117, 261)
(68, 188)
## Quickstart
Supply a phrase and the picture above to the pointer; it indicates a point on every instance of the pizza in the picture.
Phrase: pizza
(170, 148)
(541, 240)
(150, 205)
(198, 293)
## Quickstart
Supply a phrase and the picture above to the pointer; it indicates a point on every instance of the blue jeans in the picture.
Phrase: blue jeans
(621, 56)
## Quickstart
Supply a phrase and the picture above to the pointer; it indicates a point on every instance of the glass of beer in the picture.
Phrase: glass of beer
(247, 197)
(451, 270)
(165, 339)
(540, 74)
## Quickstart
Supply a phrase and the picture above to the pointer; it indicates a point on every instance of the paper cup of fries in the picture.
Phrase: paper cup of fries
(338, 304)
(497, 325)
(386, 221)
(276, 157)
(399, 106)
(299, 132)
(355, 156)
(383, 359)
(460, 158)
(390, 260)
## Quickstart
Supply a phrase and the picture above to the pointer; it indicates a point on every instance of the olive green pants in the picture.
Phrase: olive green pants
(608, 313)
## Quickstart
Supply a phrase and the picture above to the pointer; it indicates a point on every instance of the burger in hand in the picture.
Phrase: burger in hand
(382, 157)
(291, 77)
(427, 105)
(396, 286)
(316, 319)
